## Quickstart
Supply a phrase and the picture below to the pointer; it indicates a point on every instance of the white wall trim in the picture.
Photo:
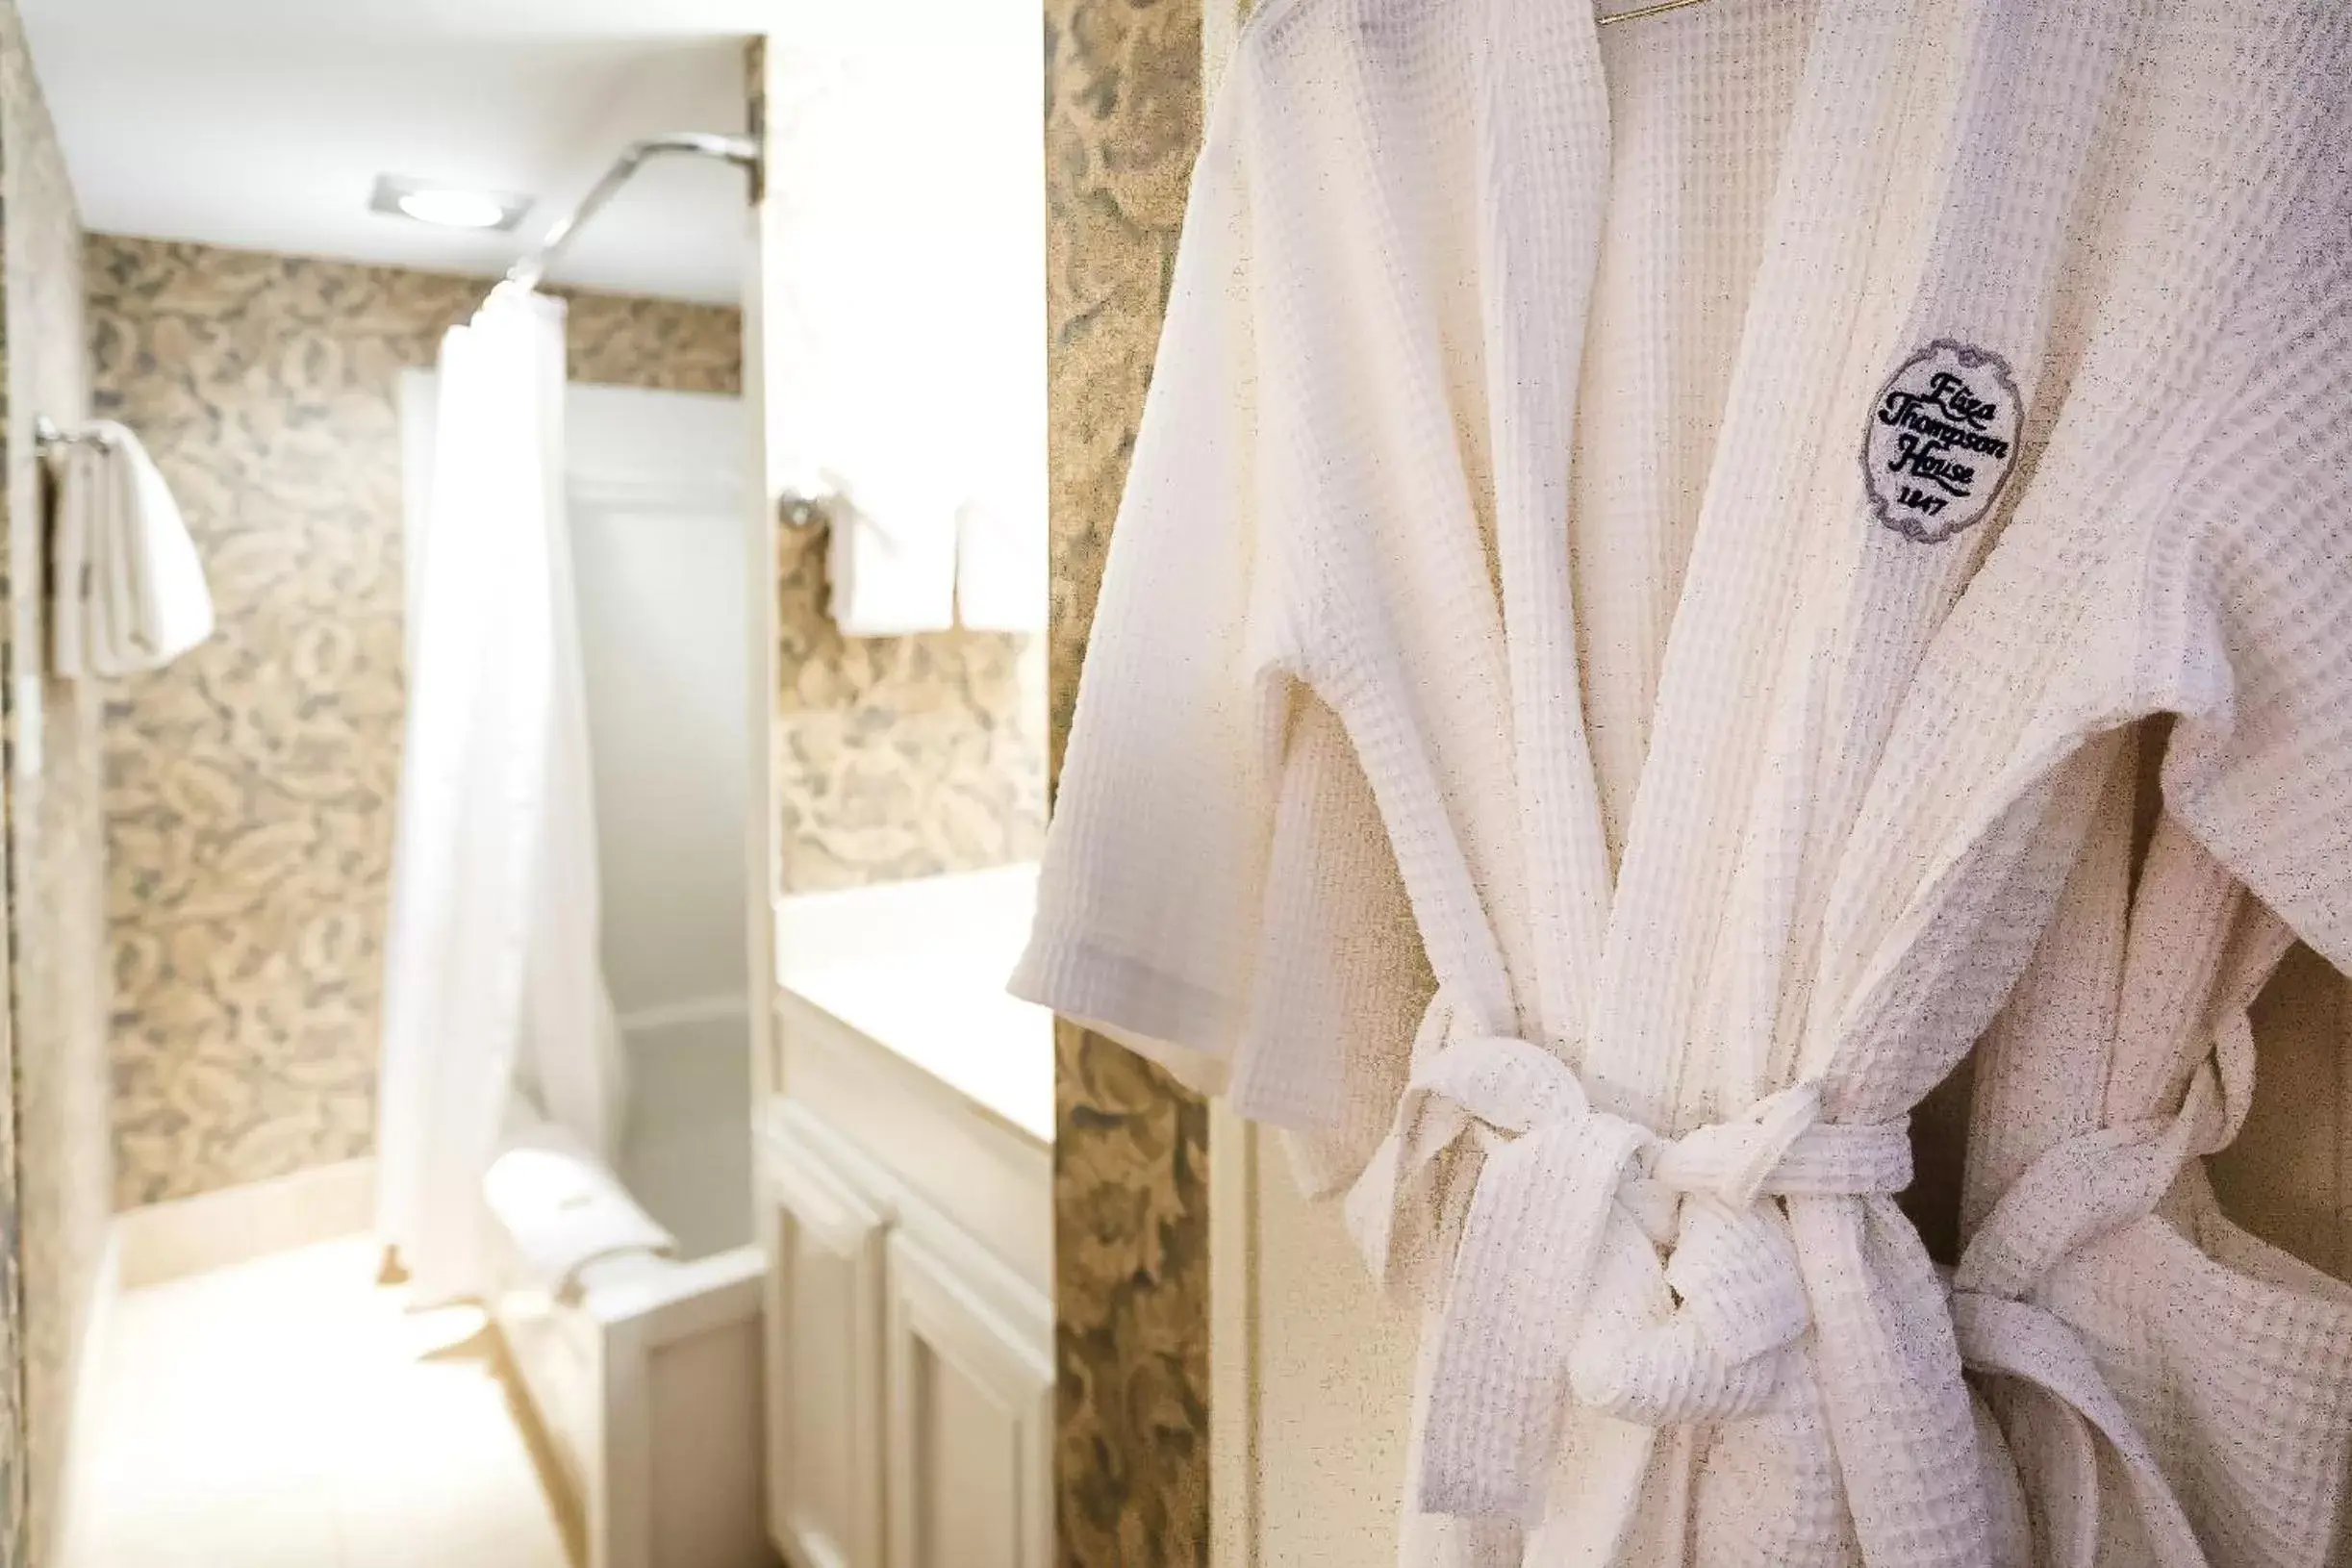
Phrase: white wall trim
(1235, 1475)
(89, 1378)
(671, 499)
(211, 1230)
(1234, 1500)
(719, 1008)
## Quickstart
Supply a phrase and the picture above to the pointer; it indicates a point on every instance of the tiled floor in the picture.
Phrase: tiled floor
(288, 1411)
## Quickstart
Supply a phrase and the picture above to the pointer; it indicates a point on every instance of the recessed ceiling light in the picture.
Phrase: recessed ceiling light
(446, 206)
(454, 209)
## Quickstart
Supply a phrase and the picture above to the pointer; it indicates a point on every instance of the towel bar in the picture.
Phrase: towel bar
(47, 433)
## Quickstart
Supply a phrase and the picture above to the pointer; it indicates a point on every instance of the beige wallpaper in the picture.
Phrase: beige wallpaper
(1123, 121)
(898, 756)
(57, 1020)
(249, 787)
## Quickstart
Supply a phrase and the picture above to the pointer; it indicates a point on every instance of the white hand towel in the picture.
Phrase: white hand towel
(1000, 568)
(129, 591)
(891, 561)
(563, 1208)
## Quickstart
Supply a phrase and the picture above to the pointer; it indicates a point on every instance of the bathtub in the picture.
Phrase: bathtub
(642, 1380)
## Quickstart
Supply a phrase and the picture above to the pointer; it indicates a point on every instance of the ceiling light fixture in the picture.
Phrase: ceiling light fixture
(446, 206)
(454, 209)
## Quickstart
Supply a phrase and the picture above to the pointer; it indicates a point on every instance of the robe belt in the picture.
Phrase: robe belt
(1557, 1283)
(2090, 1186)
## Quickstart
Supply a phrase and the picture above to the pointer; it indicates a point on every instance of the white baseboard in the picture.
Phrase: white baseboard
(211, 1230)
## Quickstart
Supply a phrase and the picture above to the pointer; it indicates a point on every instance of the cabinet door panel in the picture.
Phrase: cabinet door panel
(970, 1387)
(825, 1355)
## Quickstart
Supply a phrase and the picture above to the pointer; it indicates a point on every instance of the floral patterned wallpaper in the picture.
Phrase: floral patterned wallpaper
(250, 786)
(898, 756)
(54, 1183)
(1122, 122)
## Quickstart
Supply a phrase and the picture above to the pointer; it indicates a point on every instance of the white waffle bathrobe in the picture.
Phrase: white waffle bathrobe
(1533, 562)
(2140, 1348)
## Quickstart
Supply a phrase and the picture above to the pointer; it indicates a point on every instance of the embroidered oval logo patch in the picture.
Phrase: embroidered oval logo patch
(1942, 440)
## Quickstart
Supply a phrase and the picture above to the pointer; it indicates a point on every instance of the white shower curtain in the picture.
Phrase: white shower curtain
(494, 1007)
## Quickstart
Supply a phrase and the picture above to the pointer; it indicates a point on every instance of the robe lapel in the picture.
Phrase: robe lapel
(1727, 710)
(1804, 614)
(1741, 588)
(1543, 141)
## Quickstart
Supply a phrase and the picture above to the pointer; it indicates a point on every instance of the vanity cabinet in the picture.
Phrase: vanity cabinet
(910, 1329)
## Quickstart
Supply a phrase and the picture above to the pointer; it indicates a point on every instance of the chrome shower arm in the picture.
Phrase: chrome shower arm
(743, 151)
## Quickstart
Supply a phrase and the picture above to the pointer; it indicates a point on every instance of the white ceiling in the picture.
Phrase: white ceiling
(264, 123)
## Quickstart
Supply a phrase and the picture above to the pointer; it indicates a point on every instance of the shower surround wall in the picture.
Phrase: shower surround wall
(250, 787)
(54, 1182)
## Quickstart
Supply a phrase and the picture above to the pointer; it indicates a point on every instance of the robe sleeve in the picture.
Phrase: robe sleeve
(1155, 863)
(2263, 775)
(1340, 980)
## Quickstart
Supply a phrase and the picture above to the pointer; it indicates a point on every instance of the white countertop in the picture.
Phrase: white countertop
(919, 968)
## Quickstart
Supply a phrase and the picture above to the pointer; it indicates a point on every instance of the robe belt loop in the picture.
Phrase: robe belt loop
(1557, 1283)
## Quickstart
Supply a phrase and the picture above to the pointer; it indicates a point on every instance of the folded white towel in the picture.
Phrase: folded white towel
(564, 1208)
(1000, 568)
(891, 561)
(129, 591)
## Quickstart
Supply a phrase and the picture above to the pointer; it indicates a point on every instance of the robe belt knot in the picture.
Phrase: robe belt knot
(1647, 1275)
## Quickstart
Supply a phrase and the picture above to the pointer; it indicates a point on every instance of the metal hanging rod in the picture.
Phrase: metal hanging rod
(1658, 7)
(743, 151)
